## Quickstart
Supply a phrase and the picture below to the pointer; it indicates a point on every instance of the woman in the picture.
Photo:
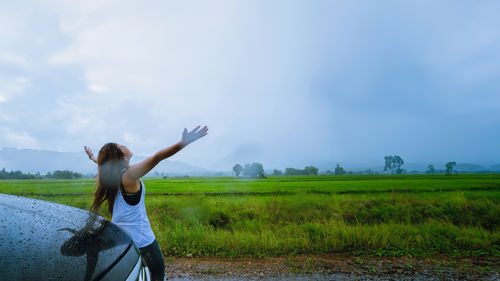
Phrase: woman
(121, 185)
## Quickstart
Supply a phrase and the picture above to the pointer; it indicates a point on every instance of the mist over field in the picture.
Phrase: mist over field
(284, 83)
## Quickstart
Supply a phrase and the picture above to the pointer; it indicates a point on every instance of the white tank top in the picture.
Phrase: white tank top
(133, 219)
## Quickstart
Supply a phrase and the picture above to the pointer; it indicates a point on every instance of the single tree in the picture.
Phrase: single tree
(339, 170)
(259, 170)
(397, 163)
(431, 170)
(449, 167)
(393, 164)
(388, 163)
(237, 169)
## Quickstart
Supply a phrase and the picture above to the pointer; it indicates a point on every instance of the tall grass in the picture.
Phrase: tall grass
(388, 225)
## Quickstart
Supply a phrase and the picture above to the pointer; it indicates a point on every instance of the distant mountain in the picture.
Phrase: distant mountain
(246, 153)
(495, 168)
(177, 168)
(409, 167)
(43, 161)
(465, 167)
(360, 167)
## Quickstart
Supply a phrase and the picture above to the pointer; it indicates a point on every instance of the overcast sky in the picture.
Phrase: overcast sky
(280, 82)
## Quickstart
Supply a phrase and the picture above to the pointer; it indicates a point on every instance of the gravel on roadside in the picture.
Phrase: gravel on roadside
(333, 267)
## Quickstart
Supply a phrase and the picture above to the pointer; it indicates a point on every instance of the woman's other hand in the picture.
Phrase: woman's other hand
(196, 133)
(90, 154)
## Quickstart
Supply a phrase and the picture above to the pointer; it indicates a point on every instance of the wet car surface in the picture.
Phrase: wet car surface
(41, 240)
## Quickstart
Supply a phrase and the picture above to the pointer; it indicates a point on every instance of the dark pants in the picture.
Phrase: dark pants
(154, 260)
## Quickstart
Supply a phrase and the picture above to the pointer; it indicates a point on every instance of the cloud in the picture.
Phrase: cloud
(131, 139)
(217, 70)
(17, 139)
(299, 80)
(97, 88)
(15, 59)
(12, 87)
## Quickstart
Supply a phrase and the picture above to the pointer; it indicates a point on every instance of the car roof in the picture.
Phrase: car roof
(42, 240)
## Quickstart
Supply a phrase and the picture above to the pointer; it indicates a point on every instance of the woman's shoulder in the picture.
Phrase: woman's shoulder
(131, 186)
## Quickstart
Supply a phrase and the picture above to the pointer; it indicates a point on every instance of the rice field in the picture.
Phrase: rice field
(379, 215)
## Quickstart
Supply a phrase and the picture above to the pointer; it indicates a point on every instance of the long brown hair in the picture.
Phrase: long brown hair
(110, 162)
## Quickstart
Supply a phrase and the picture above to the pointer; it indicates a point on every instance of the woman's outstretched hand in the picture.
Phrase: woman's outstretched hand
(90, 154)
(196, 133)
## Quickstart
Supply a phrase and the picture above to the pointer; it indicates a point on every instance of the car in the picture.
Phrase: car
(41, 240)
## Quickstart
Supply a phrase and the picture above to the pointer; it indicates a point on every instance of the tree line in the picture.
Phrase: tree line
(58, 174)
(393, 164)
(256, 170)
(307, 171)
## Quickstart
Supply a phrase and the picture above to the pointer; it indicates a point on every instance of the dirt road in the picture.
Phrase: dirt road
(333, 267)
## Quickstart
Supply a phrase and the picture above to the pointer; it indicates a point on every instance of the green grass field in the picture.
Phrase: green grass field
(416, 215)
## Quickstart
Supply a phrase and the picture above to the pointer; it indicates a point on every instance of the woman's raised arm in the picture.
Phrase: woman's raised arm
(135, 172)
